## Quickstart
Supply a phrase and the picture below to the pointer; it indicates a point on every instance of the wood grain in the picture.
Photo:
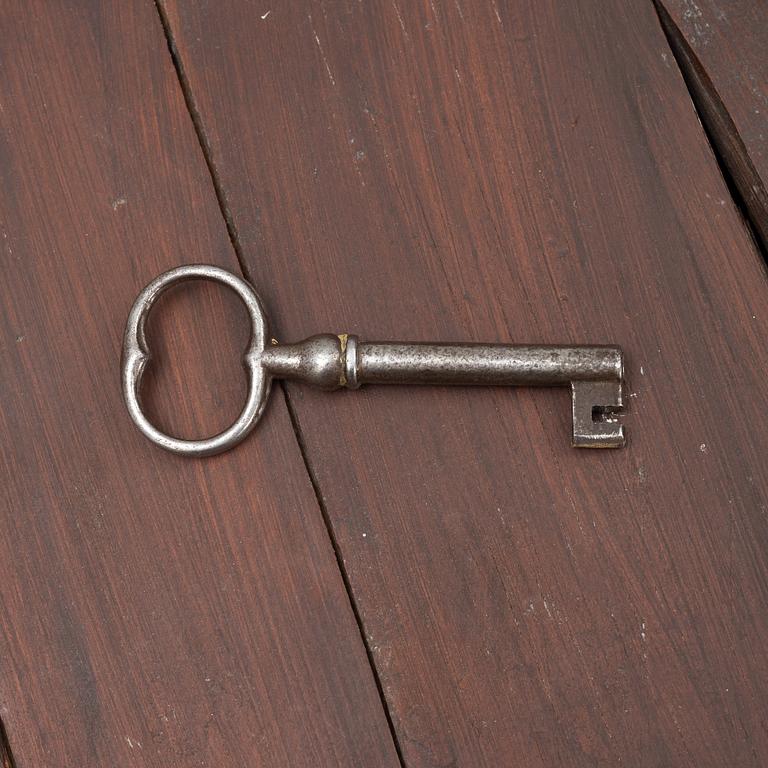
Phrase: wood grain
(154, 611)
(721, 47)
(527, 172)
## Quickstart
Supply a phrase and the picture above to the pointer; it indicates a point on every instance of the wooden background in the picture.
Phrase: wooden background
(392, 577)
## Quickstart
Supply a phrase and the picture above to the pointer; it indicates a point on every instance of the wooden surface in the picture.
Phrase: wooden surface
(155, 611)
(501, 171)
(425, 170)
(722, 49)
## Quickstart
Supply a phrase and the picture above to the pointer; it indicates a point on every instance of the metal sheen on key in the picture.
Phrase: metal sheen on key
(328, 361)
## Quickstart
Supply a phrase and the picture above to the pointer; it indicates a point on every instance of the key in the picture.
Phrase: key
(593, 373)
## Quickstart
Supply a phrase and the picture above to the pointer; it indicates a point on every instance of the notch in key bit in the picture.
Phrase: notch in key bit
(596, 406)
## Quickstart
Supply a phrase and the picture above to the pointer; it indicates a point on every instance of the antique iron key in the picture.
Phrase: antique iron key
(593, 373)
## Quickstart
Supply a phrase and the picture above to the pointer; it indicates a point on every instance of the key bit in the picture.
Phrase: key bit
(593, 373)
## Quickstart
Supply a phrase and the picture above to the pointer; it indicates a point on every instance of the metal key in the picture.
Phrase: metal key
(594, 373)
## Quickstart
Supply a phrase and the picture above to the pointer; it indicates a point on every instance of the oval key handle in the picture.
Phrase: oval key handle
(594, 373)
(136, 355)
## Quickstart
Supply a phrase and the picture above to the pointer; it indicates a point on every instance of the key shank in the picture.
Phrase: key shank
(594, 373)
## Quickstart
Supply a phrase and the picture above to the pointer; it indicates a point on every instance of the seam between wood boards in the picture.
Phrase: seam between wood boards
(730, 153)
(226, 213)
(6, 756)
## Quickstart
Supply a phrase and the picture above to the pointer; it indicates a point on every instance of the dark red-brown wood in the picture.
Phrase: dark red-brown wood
(533, 172)
(153, 611)
(721, 46)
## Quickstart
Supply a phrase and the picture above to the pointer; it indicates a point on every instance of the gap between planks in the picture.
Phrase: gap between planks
(6, 756)
(744, 183)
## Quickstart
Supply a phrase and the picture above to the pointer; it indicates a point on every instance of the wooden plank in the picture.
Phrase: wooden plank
(459, 170)
(154, 611)
(721, 48)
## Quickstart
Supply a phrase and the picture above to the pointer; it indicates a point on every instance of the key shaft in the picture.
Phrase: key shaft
(593, 372)
(484, 364)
